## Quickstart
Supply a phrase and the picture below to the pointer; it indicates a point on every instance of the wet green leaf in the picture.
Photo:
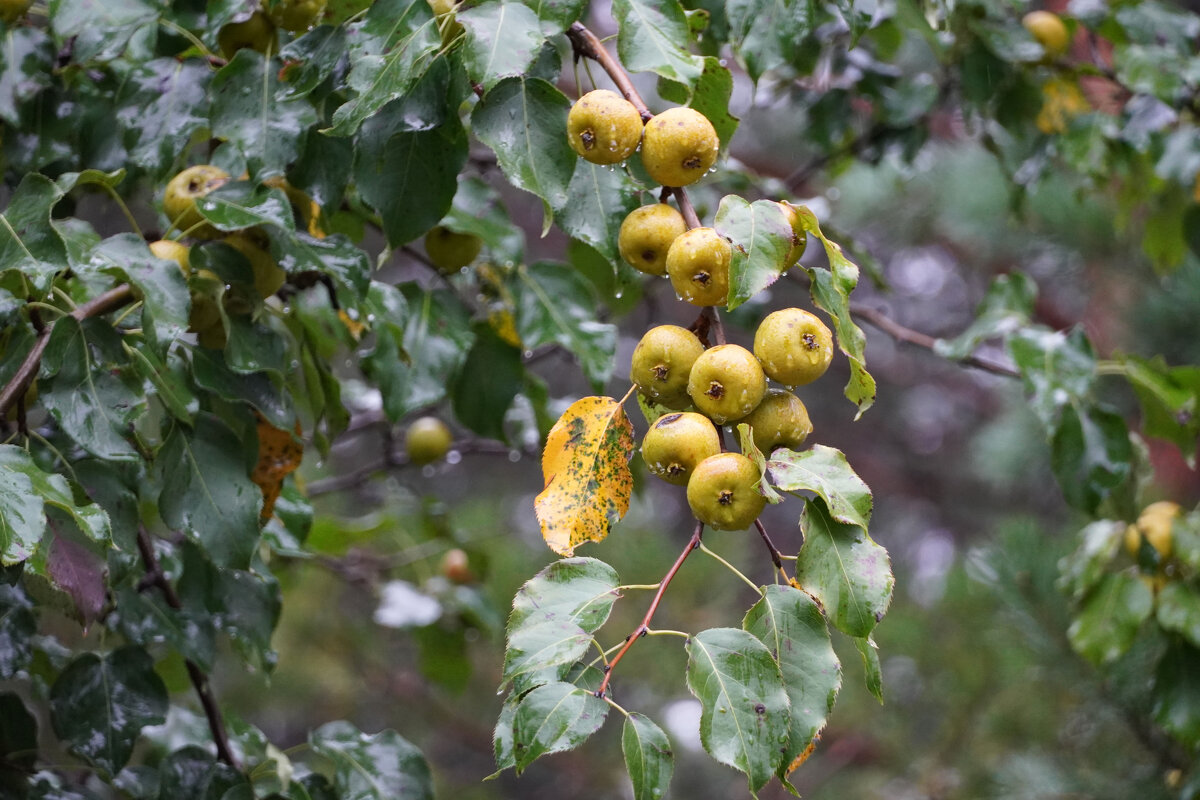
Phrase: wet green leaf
(761, 238)
(651, 38)
(28, 242)
(490, 379)
(1007, 305)
(648, 757)
(825, 471)
(1177, 692)
(553, 718)
(161, 108)
(503, 39)
(764, 33)
(598, 200)
(17, 628)
(1109, 617)
(380, 766)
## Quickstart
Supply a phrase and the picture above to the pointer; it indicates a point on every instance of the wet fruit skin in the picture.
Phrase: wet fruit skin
(12, 10)
(427, 440)
(679, 146)
(603, 127)
(172, 251)
(647, 234)
(1049, 30)
(698, 266)
(1154, 523)
(726, 383)
(297, 15)
(799, 236)
(723, 492)
(256, 32)
(449, 250)
(181, 194)
(676, 443)
(781, 420)
(795, 347)
(662, 361)
(268, 277)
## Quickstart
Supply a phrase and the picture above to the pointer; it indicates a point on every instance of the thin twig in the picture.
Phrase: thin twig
(586, 44)
(644, 626)
(776, 556)
(216, 724)
(686, 208)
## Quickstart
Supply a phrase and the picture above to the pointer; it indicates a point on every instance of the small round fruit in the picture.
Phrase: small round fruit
(427, 440)
(1154, 523)
(268, 277)
(646, 236)
(799, 236)
(256, 32)
(13, 10)
(168, 250)
(1049, 30)
(679, 146)
(206, 308)
(661, 364)
(676, 443)
(443, 10)
(723, 492)
(698, 265)
(726, 383)
(795, 347)
(297, 16)
(450, 250)
(603, 127)
(182, 192)
(456, 566)
(780, 420)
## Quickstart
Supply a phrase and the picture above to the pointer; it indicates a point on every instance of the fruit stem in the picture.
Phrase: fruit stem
(686, 208)
(644, 626)
(776, 556)
(585, 44)
(730, 567)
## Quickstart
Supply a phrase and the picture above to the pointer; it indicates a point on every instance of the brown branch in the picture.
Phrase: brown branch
(19, 384)
(908, 335)
(776, 556)
(685, 207)
(587, 45)
(644, 626)
(216, 724)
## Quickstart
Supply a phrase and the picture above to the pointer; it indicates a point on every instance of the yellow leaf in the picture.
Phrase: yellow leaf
(586, 470)
(279, 454)
(1061, 101)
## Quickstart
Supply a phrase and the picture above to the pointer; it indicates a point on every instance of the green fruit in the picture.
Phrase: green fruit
(723, 492)
(181, 194)
(13, 10)
(780, 420)
(449, 250)
(676, 443)
(679, 146)
(427, 440)
(297, 16)
(795, 347)
(646, 236)
(443, 10)
(726, 383)
(168, 250)
(256, 32)
(662, 362)
(268, 277)
(799, 236)
(207, 288)
(1049, 30)
(698, 266)
(603, 127)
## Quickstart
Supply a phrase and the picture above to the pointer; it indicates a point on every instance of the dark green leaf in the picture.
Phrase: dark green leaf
(1177, 692)
(1056, 367)
(207, 493)
(503, 39)
(502, 735)
(1007, 305)
(764, 33)
(195, 773)
(479, 210)
(826, 472)
(651, 38)
(490, 378)
(870, 658)
(213, 374)
(1109, 617)
(761, 237)
(145, 618)
(557, 15)
(1081, 570)
(648, 757)
(1178, 610)
(598, 201)
(553, 718)
(710, 97)
(168, 381)
(101, 28)
(335, 256)
(99, 705)
(162, 107)
(162, 285)
(28, 60)
(244, 605)
(1170, 399)
(381, 766)
(17, 628)
(22, 514)
(312, 58)
(54, 493)
(242, 204)
(18, 734)
(1090, 454)
(844, 570)
(744, 706)
(790, 624)
(28, 242)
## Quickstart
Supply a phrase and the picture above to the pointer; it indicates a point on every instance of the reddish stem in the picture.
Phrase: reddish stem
(776, 556)
(644, 626)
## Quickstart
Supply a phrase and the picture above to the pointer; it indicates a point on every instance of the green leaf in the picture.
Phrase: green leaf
(870, 657)
(1080, 571)
(553, 718)
(1007, 306)
(502, 735)
(761, 237)
(311, 58)
(381, 766)
(207, 493)
(648, 757)
(251, 109)
(335, 256)
(242, 204)
(18, 736)
(479, 210)
(86, 393)
(28, 59)
(598, 201)
(831, 290)
(101, 28)
(99, 705)
(764, 33)
(194, 772)
(649, 40)
(1056, 367)
(1178, 610)
(1177, 693)
(389, 50)
(553, 304)
(1170, 400)
(710, 97)
(168, 380)
(792, 627)
(162, 107)
(744, 706)
(28, 242)
(490, 379)
(503, 40)
(53, 493)
(1090, 454)
(844, 570)
(825, 471)
(162, 285)
(212, 373)
(145, 618)
(1109, 617)
(750, 451)
(557, 15)
(524, 121)
(22, 513)
(18, 625)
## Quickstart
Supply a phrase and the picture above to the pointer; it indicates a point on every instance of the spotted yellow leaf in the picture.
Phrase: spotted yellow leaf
(279, 454)
(586, 470)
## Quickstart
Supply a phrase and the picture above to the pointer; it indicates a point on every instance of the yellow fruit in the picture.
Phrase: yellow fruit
(297, 15)
(206, 309)
(172, 251)
(723, 492)
(676, 443)
(268, 277)
(1049, 30)
(181, 194)
(781, 420)
(1154, 523)
(679, 146)
(661, 364)
(726, 383)
(795, 347)
(427, 440)
(698, 266)
(1062, 101)
(449, 250)
(603, 127)
(449, 26)
(799, 236)
(13, 10)
(647, 234)
(256, 32)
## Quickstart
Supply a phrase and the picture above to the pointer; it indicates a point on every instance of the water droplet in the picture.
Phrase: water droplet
(428, 471)
(453, 457)
(514, 456)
